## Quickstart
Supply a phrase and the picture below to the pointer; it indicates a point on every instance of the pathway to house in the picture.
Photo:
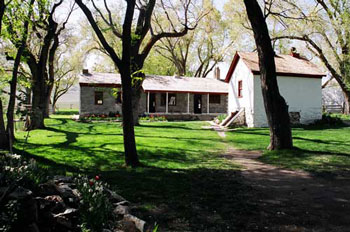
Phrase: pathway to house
(293, 200)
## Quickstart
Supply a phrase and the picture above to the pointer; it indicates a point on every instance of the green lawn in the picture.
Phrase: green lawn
(184, 177)
(318, 149)
(99, 145)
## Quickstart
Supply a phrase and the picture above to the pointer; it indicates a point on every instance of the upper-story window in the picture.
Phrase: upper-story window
(240, 89)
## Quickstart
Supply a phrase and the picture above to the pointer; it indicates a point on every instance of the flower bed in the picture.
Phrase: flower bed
(33, 200)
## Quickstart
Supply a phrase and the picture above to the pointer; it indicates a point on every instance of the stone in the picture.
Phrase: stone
(48, 188)
(60, 179)
(64, 222)
(138, 223)
(121, 210)
(113, 197)
(55, 198)
(20, 193)
(122, 203)
(64, 190)
(70, 212)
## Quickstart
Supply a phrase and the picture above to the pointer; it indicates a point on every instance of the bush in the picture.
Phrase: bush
(220, 118)
(153, 118)
(328, 120)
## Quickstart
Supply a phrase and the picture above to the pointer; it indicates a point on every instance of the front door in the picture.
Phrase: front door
(152, 102)
(197, 99)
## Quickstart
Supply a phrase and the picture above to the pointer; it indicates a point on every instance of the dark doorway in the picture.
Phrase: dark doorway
(152, 102)
(197, 99)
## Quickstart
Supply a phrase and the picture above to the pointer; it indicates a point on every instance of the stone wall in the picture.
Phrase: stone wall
(182, 104)
(88, 106)
(87, 101)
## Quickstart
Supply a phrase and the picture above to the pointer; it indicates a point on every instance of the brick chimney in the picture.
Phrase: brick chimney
(85, 71)
(294, 53)
(217, 73)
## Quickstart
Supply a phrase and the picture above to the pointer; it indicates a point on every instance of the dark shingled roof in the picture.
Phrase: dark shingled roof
(154, 83)
(286, 65)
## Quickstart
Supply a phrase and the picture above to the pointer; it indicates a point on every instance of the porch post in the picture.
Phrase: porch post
(208, 104)
(188, 103)
(167, 102)
(148, 102)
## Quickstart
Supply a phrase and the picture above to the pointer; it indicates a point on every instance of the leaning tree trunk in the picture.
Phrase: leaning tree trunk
(275, 105)
(3, 135)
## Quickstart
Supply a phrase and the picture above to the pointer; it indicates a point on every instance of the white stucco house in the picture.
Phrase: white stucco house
(299, 83)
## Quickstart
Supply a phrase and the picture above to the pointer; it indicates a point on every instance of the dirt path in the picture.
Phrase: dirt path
(293, 200)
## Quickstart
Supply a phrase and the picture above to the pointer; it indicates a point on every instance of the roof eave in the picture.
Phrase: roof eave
(232, 67)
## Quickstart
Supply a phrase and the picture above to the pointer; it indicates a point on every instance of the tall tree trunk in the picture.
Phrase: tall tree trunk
(3, 135)
(275, 105)
(131, 158)
(38, 105)
(13, 86)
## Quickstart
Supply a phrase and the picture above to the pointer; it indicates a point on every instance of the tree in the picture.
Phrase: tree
(275, 105)
(137, 43)
(3, 136)
(17, 26)
(66, 70)
(40, 54)
(325, 28)
(198, 52)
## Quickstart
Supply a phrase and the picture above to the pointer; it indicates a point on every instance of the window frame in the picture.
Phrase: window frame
(98, 97)
(240, 89)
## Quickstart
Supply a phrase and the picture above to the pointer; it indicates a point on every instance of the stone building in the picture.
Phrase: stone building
(176, 98)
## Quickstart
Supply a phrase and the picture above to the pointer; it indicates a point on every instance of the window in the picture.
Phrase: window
(119, 98)
(240, 89)
(98, 98)
(214, 99)
(172, 99)
(163, 99)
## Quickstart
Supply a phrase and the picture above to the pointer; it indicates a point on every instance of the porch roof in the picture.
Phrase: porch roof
(184, 85)
(154, 83)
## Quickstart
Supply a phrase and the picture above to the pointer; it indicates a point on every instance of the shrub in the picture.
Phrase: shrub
(220, 118)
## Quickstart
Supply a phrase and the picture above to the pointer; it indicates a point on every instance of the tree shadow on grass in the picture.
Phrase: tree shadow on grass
(186, 200)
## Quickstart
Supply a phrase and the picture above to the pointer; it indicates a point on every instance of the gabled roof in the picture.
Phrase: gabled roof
(100, 79)
(286, 65)
(154, 83)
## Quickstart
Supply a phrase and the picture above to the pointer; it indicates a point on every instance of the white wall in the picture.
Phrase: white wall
(247, 101)
(302, 95)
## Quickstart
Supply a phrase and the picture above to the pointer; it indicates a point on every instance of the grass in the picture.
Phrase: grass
(185, 184)
(99, 146)
(183, 176)
(319, 149)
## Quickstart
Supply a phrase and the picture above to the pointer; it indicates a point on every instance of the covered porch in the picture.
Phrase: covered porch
(185, 97)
